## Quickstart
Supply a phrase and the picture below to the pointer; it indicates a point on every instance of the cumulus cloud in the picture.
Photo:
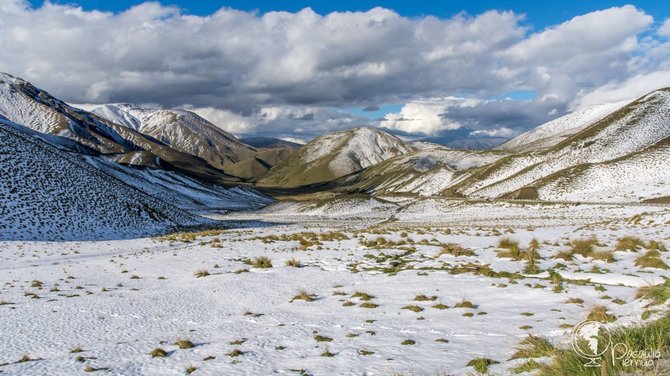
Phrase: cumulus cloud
(292, 73)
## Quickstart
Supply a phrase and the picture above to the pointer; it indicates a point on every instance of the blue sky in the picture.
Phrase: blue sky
(428, 68)
(540, 14)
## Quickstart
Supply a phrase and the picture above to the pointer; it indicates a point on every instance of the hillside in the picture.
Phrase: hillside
(51, 194)
(181, 130)
(618, 158)
(553, 132)
(23, 103)
(334, 155)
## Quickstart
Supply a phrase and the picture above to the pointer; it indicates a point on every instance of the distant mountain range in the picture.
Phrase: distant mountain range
(167, 164)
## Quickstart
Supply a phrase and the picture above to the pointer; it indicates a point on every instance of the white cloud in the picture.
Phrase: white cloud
(628, 90)
(287, 72)
(664, 30)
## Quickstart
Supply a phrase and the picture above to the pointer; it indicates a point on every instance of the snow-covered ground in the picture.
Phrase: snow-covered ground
(119, 300)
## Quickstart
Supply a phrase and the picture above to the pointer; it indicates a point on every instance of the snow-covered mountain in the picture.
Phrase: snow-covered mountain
(333, 155)
(50, 193)
(24, 104)
(428, 170)
(553, 132)
(618, 158)
(182, 130)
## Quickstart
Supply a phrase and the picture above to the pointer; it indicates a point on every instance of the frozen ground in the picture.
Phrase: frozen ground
(119, 300)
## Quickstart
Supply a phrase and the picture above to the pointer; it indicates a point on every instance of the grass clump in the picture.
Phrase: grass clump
(509, 249)
(629, 243)
(481, 365)
(366, 352)
(362, 296)
(235, 353)
(293, 263)
(261, 262)
(320, 338)
(304, 295)
(599, 313)
(658, 294)
(202, 273)
(654, 245)
(528, 366)
(534, 347)
(454, 250)
(583, 247)
(158, 353)
(651, 259)
(413, 308)
(191, 369)
(368, 305)
(653, 335)
(408, 342)
(424, 298)
(464, 304)
(184, 344)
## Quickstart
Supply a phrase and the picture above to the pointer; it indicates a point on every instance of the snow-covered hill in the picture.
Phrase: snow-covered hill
(182, 130)
(23, 103)
(428, 170)
(333, 155)
(553, 132)
(618, 158)
(47, 193)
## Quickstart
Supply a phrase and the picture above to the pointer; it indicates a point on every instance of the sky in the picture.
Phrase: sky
(445, 69)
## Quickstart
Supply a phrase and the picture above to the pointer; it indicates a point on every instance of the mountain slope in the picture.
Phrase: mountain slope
(23, 103)
(47, 193)
(553, 132)
(607, 149)
(333, 155)
(182, 130)
(428, 170)
(268, 142)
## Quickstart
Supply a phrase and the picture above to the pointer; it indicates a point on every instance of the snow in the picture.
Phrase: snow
(552, 132)
(117, 319)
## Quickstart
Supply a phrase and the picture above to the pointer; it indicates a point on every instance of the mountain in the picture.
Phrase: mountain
(23, 103)
(620, 157)
(50, 193)
(334, 155)
(181, 130)
(470, 143)
(428, 170)
(553, 132)
(268, 142)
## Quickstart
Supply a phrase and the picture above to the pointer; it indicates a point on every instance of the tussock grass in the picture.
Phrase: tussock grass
(440, 306)
(293, 263)
(184, 344)
(202, 273)
(158, 353)
(413, 308)
(362, 296)
(651, 259)
(424, 298)
(599, 313)
(304, 295)
(574, 301)
(509, 249)
(481, 365)
(261, 262)
(528, 366)
(534, 347)
(235, 353)
(368, 305)
(651, 336)
(454, 250)
(320, 338)
(583, 247)
(628, 243)
(191, 369)
(654, 245)
(658, 294)
(464, 304)
(408, 342)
